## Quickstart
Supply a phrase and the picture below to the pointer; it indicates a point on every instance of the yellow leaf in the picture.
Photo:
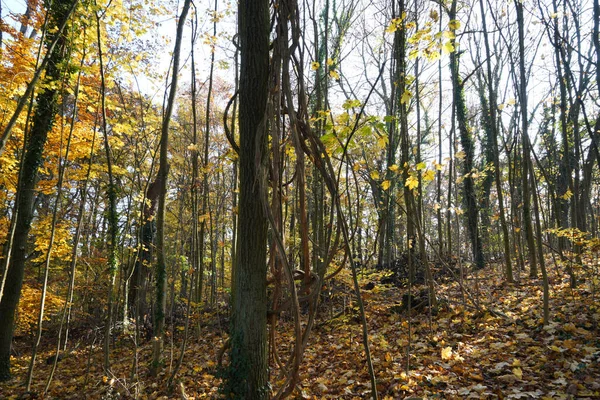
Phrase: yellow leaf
(412, 182)
(518, 373)
(394, 25)
(454, 24)
(449, 35)
(570, 327)
(314, 65)
(421, 166)
(394, 168)
(374, 175)
(334, 74)
(433, 14)
(405, 96)
(385, 185)
(329, 62)
(382, 142)
(448, 47)
(432, 55)
(568, 194)
(447, 353)
(429, 175)
(460, 155)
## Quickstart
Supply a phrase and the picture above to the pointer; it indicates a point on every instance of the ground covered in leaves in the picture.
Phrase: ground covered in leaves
(491, 345)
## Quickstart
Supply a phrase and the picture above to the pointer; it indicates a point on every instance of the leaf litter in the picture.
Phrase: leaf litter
(456, 352)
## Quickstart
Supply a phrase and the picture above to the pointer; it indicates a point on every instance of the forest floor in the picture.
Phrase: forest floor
(498, 350)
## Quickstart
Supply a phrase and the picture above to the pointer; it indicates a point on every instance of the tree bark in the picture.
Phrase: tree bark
(248, 371)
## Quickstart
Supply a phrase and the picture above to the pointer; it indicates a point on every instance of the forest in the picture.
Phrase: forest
(309, 199)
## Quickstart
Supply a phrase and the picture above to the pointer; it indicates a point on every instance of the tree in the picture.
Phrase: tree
(248, 372)
(491, 128)
(525, 144)
(43, 121)
(468, 145)
(160, 306)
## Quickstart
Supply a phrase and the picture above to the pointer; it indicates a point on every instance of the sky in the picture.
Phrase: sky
(351, 53)
(164, 36)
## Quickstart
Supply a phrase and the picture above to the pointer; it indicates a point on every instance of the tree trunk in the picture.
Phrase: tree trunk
(526, 162)
(248, 371)
(139, 283)
(112, 216)
(43, 120)
(468, 145)
(160, 306)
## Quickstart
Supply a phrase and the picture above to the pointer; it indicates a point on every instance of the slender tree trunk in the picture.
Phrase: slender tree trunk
(112, 217)
(234, 173)
(491, 126)
(540, 251)
(402, 110)
(440, 222)
(596, 41)
(62, 165)
(160, 306)
(526, 161)
(565, 168)
(466, 139)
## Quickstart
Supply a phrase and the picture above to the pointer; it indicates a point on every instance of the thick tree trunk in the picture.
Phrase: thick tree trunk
(138, 287)
(248, 373)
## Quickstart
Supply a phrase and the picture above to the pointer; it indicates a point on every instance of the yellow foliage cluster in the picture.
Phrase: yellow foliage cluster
(29, 305)
(61, 248)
